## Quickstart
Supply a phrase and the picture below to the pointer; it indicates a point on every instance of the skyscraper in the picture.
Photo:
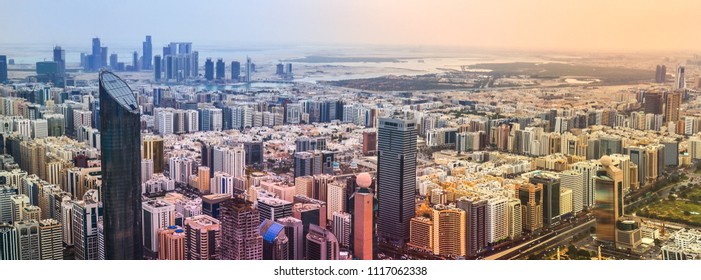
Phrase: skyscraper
(114, 62)
(476, 225)
(341, 228)
(153, 150)
(280, 69)
(515, 223)
(660, 74)
(209, 69)
(51, 240)
(653, 102)
(574, 180)
(235, 70)
(363, 206)
(321, 244)
(221, 69)
(294, 232)
(303, 164)
(673, 103)
(551, 197)
(396, 179)
(609, 199)
(135, 61)
(3, 68)
(120, 125)
(147, 53)
(531, 197)
(449, 231)
(680, 83)
(60, 59)
(103, 57)
(157, 68)
(240, 238)
(86, 213)
(8, 242)
(28, 240)
(6, 193)
(248, 69)
(96, 55)
(421, 236)
(336, 199)
(204, 180)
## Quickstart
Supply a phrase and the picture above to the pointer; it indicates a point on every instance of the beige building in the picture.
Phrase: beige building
(51, 239)
(449, 232)
(421, 233)
(513, 215)
(531, 197)
(565, 200)
(304, 185)
(203, 179)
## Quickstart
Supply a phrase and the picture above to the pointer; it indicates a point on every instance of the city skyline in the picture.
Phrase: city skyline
(496, 131)
(592, 26)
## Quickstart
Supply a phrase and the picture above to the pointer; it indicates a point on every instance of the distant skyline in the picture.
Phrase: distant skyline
(594, 25)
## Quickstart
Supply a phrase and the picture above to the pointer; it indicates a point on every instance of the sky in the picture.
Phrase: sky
(591, 25)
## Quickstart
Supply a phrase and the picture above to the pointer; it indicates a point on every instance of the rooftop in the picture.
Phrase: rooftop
(119, 91)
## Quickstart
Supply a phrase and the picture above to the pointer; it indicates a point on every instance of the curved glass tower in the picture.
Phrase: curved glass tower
(121, 168)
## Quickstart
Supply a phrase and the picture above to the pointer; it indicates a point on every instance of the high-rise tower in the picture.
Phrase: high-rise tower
(362, 206)
(680, 82)
(673, 103)
(240, 237)
(121, 169)
(147, 53)
(609, 199)
(396, 179)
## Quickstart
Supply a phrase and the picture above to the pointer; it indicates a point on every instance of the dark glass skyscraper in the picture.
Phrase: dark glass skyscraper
(121, 168)
(235, 70)
(96, 54)
(221, 69)
(3, 68)
(147, 53)
(551, 197)
(157, 67)
(135, 61)
(396, 179)
(209, 69)
(60, 59)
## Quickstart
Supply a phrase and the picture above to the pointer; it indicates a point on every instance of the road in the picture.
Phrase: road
(548, 238)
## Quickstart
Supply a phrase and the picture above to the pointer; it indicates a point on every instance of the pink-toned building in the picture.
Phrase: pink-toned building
(172, 243)
(362, 225)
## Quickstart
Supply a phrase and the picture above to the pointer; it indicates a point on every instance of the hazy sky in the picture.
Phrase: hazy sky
(591, 25)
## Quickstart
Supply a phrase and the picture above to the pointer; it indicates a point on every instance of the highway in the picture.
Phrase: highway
(515, 252)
